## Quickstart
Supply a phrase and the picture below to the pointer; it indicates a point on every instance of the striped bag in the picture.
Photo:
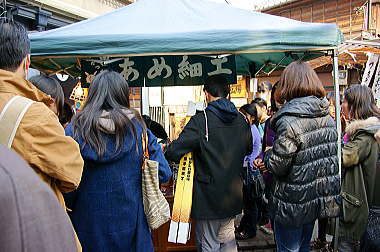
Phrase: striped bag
(156, 207)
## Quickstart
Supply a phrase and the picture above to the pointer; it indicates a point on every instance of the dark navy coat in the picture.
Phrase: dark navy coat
(107, 208)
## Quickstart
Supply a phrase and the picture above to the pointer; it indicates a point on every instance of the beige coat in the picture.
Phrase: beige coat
(40, 138)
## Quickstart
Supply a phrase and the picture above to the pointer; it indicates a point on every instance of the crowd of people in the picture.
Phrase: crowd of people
(275, 160)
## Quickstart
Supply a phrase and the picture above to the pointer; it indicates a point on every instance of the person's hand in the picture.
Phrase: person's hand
(259, 164)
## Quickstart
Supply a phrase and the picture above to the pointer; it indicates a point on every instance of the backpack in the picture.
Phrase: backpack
(10, 118)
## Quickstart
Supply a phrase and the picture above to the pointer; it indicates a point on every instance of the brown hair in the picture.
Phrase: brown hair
(298, 80)
(361, 102)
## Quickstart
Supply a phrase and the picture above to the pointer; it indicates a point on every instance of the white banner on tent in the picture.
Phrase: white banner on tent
(376, 86)
(370, 68)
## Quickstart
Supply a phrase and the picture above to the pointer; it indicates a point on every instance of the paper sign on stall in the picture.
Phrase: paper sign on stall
(376, 86)
(180, 225)
(370, 69)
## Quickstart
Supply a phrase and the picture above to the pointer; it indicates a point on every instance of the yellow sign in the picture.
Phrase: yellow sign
(239, 90)
(179, 231)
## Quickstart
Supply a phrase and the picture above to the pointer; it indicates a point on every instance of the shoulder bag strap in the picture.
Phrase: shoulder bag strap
(144, 138)
(11, 117)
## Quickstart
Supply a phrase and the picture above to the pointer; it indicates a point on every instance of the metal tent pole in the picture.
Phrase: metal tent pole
(339, 130)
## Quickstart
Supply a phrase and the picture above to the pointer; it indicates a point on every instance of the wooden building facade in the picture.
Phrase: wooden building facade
(350, 15)
(357, 19)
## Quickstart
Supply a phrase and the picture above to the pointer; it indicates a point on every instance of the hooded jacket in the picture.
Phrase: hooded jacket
(107, 208)
(40, 139)
(304, 163)
(31, 218)
(360, 177)
(219, 138)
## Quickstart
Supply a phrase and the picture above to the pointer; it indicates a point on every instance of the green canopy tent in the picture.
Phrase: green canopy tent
(184, 27)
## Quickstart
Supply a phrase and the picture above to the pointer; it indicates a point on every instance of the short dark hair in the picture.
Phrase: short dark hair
(67, 114)
(249, 109)
(50, 86)
(14, 44)
(273, 106)
(260, 102)
(217, 86)
(298, 80)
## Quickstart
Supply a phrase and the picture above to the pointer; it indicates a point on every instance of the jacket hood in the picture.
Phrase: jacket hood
(370, 125)
(11, 83)
(107, 125)
(305, 107)
(224, 109)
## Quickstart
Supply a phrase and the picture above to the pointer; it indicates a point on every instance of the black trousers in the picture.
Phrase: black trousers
(248, 223)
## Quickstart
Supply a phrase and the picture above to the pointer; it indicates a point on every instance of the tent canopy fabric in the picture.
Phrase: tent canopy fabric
(167, 27)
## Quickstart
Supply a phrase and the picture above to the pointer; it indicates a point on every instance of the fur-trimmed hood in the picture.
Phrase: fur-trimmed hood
(107, 125)
(354, 126)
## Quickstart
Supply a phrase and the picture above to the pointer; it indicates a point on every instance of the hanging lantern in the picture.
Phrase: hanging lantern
(79, 95)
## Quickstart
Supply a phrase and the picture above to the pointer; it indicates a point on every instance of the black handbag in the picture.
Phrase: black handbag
(256, 182)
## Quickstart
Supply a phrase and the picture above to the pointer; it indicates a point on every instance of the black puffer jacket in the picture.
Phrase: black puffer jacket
(304, 163)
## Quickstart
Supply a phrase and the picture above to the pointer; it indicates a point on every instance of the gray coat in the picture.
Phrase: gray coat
(304, 163)
(31, 218)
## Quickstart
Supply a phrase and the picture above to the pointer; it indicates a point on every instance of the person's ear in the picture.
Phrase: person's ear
(207, 95)
(27, 62)
(53, 107)
(26, 65)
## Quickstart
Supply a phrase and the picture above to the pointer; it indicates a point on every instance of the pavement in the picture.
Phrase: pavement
(262, 242)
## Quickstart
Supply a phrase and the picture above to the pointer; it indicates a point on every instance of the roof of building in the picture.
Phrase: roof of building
(350, 52)
(269, 4)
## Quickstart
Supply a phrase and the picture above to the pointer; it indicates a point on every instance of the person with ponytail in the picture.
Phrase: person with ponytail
(248, 224)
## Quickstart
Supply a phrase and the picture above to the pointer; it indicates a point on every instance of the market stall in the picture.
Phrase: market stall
(166, 42)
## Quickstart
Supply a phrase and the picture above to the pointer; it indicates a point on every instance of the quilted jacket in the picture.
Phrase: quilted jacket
(304, 163)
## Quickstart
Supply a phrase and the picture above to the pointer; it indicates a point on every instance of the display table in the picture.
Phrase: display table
(160, 237)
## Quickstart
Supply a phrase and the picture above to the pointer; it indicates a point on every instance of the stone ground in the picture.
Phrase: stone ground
(262, 242)
(265, 242)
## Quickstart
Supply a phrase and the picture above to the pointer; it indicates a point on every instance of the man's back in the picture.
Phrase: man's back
(218, 159)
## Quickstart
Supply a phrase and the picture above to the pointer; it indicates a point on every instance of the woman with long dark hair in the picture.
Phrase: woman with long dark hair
(107, 209)
(303, 159)
(248, 224)
(361, 171)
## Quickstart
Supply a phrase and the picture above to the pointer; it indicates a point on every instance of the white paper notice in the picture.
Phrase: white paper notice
(370, 68)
